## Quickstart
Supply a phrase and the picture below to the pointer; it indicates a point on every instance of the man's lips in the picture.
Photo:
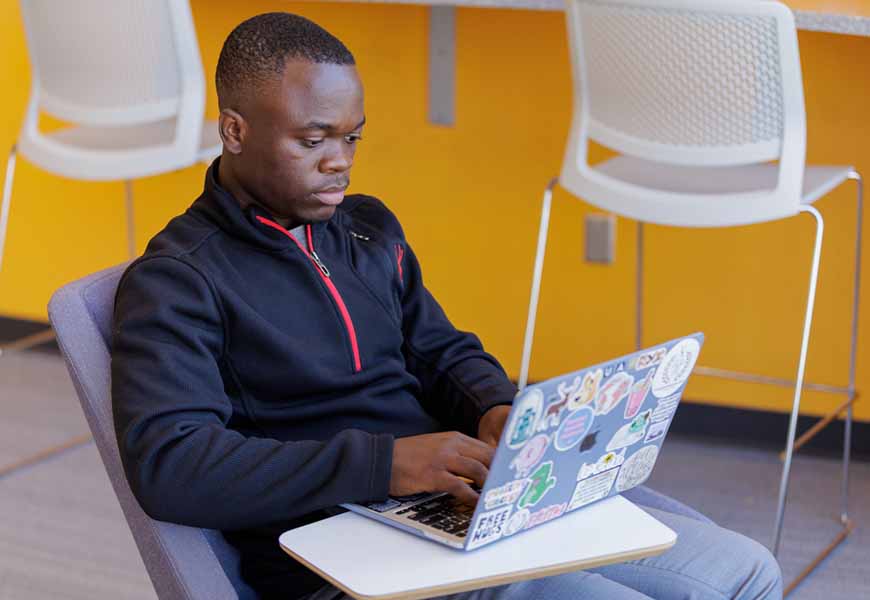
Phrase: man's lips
(331, 196)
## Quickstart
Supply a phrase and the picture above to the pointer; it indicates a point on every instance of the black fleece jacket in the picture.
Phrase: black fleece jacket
(257, 381)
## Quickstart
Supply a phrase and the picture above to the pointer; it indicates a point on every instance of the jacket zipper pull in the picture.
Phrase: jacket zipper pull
(319, 263)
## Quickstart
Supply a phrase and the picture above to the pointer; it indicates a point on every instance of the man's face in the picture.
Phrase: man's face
(299, 139)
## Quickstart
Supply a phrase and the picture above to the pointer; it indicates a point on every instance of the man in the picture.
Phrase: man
(275, 352)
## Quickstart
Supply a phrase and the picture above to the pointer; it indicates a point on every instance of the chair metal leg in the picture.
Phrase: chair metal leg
(853, 352)
(792, 426)
(536, 283)
(131, 229)
(7, 198)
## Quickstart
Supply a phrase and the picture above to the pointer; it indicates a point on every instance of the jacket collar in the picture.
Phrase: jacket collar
(218, 206)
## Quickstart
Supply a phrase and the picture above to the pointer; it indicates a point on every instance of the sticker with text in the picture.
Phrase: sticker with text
(637, 468)
(505, 494)
(574, 428)
(489, 527)
(540, 482)
(612, 392)
(665, 408)
(675, 367)
(525, 417)
(649, 359)
(631, 433)
(605, 463)
(638, 394)
(530, 455)
(548, 513)
(593, 488)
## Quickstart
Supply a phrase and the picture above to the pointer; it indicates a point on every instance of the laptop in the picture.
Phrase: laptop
(568, 442)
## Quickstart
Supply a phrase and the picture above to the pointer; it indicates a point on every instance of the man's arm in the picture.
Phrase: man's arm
(171, 413)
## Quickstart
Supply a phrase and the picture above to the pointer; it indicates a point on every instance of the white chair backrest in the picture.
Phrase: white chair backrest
(703, 83)
(112, 62)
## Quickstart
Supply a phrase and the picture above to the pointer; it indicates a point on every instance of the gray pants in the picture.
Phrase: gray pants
(707, 563)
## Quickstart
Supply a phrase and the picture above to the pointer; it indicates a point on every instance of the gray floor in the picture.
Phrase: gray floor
(62, 534)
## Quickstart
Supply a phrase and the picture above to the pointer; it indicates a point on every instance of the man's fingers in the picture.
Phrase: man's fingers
(477, 449)
(472, 469)
(462, 491)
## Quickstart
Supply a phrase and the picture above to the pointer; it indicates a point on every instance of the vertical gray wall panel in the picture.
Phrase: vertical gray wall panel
(442, 65)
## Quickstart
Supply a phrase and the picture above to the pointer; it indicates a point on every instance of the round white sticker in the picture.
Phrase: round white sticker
(675, 368)
(637, 468)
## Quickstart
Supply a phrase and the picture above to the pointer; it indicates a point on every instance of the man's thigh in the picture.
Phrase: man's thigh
(580, 585)
(713, 562)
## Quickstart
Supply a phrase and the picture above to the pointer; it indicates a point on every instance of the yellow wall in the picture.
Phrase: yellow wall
(469, 197)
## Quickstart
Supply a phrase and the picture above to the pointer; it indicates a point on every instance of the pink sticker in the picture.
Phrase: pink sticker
(638, 395)
(547, 513)
(530, 455)
(574, 428)
(612, 392)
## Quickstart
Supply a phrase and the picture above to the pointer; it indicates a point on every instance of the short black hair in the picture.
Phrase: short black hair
(257, 50)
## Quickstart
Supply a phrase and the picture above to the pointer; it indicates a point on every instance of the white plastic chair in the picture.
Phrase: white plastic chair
(127, 76)
(703, 99)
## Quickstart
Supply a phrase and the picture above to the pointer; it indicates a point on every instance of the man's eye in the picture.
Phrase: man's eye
(353, 138)
(311, 143)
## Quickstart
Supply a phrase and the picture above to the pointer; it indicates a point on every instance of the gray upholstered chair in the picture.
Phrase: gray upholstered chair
(184, 563)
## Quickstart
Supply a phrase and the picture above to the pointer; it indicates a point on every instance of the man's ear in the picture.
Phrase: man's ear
(233, 128)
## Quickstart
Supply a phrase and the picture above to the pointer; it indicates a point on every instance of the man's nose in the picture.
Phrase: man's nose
(337, 158)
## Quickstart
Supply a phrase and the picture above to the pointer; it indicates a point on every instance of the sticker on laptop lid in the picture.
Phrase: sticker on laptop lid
(553, 414)
(638, 394)
(530, 455)
(631, 433)
(649, 359)
(583, 391)
(489, 527)
(605, 463)
(525, 418)
(675, 367)
(612, 392)
(574, 428)
(665, 408)
(548, 513)
(517, 522)
(593, 488)
(637, 468)
(656, 430)
(505, 494)
(540, 482)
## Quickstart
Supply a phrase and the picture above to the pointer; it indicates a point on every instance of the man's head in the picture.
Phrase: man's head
(291, 107)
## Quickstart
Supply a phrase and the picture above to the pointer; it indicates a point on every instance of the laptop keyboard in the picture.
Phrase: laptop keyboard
(444, 513)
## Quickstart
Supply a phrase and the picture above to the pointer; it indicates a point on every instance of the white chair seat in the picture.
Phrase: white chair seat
(818, 181)
(113, 153)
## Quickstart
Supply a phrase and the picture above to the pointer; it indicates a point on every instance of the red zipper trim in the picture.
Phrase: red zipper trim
(400, 254)
(342, 307)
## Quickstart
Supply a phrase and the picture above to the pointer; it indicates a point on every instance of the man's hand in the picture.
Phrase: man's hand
(491, 424)
(435, 462)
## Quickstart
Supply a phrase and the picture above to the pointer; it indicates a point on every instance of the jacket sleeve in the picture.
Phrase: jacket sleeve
(460, 380)
(171, 413)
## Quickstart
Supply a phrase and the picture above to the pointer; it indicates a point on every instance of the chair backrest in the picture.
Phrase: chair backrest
(183, 562)
(695, 83)
(115, 62)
